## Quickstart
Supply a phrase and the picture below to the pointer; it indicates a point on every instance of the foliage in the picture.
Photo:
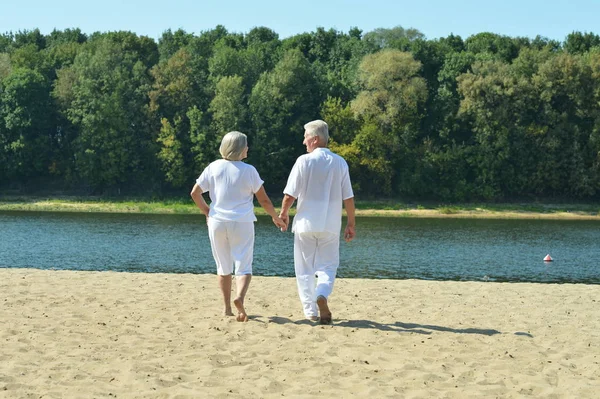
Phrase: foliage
(487, 117)
(281, 102)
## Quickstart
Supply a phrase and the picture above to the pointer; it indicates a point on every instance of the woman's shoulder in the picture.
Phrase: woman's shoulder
(245, 165)
(219, 163)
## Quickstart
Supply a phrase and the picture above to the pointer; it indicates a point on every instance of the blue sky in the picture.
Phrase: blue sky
(553, 19)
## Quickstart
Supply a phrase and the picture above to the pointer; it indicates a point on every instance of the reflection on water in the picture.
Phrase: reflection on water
(398, 248)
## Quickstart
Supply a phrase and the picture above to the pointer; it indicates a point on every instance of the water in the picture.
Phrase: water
(396, 248)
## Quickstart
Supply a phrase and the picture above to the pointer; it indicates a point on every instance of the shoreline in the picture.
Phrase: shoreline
(284, 276)
(109, 334)
(363, 209)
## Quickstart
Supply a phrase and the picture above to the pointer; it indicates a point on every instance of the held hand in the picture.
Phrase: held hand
(279, 222)
(349, 233)
(286, 220)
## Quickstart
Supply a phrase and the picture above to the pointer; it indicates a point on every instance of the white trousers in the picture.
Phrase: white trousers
(232, 246)
(315, 254)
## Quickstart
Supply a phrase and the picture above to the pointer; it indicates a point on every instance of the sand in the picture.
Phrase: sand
(66, 334)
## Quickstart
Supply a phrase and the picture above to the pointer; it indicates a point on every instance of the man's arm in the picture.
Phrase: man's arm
(286, 204)
(350, 231)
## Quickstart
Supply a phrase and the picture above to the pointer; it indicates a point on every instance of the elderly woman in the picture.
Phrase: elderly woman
(232, 185)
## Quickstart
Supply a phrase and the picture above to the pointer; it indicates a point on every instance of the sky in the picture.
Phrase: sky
(553, 19)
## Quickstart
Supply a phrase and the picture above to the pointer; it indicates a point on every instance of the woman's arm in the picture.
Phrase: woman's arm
(265, 202)
(199, 199)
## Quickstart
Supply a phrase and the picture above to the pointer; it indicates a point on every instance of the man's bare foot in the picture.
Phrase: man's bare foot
(324, 310)
(239, 305)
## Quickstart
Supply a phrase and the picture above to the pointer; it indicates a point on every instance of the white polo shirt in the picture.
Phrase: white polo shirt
(231, 186)
(320, 181)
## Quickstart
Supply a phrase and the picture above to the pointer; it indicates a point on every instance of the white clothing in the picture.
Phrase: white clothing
(320, 181)
(315, 253)
(231, 186)
(232, 246)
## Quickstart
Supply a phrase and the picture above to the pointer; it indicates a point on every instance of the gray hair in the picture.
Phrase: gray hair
(318, 129)
(233, 145)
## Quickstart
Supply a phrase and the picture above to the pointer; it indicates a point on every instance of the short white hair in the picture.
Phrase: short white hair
(233, 145)
(318, 129)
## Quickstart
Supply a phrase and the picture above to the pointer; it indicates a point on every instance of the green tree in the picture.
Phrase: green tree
(392, 91)
(281, 102)
(342, 122)
(108, 105)
(62, 48)
(205, 143)
(503, 47)
(6, 42)
(389, 105)
(5, 65)
(226, 61)
(171, 42)
(229, 106)
(58, 37)
(341, 69)
(580, 43)
(507, 119)
(175, 90)
(26, 134)
(170, 154)
(568, 92)
(392, 38)
(263, 50)
(142, 48)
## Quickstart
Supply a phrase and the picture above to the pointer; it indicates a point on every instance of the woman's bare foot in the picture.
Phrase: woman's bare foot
(227, 312)
(324, 311)
(239, 305)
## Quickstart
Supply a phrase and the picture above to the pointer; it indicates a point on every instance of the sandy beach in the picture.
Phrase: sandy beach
(67, 334)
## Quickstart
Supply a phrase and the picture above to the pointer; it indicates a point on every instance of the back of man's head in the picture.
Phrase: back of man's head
(319, 129)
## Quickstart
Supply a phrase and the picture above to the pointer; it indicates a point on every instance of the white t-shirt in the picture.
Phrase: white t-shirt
(231, 186)
(320, 181)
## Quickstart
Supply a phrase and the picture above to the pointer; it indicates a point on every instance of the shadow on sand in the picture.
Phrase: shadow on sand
(285, 320)
(396, 327)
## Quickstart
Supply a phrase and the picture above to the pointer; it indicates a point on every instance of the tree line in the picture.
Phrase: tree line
(490, 117)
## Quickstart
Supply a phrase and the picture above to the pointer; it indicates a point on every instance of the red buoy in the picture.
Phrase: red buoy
(548, 258)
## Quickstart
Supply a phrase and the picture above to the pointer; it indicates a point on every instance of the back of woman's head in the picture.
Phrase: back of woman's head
(233, 145)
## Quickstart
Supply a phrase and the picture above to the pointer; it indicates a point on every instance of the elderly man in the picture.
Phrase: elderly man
(320, 181)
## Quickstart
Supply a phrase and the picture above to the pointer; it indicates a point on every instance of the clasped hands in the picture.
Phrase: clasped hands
(282, 221)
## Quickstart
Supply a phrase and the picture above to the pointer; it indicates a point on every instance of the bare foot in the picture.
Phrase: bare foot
(227, 312)
(312, 318)
(239, 304)
(324, 310)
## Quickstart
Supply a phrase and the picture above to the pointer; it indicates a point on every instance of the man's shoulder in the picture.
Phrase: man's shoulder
(303, 158)
(339, 158)
(321, 154)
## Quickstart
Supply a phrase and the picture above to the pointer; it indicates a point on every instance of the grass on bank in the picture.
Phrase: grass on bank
(386, 208)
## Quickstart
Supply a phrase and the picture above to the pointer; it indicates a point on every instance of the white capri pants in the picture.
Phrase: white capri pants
(315, 254)
(232, 246)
